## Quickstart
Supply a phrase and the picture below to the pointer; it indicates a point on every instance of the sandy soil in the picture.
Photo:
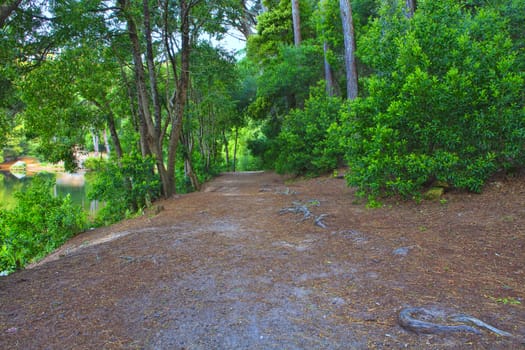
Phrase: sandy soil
(227, 268)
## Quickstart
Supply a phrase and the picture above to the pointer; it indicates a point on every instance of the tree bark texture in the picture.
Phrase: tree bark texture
(349, 42)
(296, 20)
(410, 8)
(181, 93)
(328, 76)
(235, 149)
(151, 71)
(187, 144)
(114, 135)
(147, 126)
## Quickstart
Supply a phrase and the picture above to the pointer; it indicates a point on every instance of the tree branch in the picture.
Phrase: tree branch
(6, 9)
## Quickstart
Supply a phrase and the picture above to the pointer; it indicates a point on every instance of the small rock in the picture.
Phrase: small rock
(12, 330)
(403, 251)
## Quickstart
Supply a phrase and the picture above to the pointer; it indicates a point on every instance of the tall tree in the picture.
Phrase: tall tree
(180, 25)
(296, 20)
(350, 46)
(326, 21)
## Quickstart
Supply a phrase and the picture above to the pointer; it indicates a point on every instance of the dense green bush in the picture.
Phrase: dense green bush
(37, 225)
(303, 144)
(446, 103)
(125, 187)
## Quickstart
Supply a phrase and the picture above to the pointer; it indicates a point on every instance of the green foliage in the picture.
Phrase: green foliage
(274, 29)
(282, 86)
(286, 82)
(125, 188)
(446, 103)
(37, 225)
(286, 75)
(54, 113)
(303, 145)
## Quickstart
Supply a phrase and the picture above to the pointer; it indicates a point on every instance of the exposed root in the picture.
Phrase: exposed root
(411, 318)
(479, 323)
(287, 192)
(319, 220)
(300, 208)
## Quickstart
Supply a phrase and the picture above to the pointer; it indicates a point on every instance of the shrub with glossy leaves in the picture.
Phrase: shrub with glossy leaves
(449, 107)
(303, 144)
(125, 187)
(38, 224)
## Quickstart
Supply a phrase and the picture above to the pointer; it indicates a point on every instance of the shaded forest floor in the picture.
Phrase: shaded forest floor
(225, 269)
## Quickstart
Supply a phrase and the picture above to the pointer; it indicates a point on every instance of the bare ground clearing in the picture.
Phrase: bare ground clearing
(223, 269)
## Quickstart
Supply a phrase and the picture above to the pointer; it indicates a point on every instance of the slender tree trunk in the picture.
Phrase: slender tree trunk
(151, 71)
(181, 94)
(143, 133)
(187, 143)
(190, 173)
(235, 149)
(106, 143)
(226, 150)
(410, 8)
(328, 76)
(146, 122)
(110, 122)
(349, 41)
(296, 19)
(114, 135)
(136, 118)
(95, 138)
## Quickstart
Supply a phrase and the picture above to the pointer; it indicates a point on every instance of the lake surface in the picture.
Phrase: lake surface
(72, 184)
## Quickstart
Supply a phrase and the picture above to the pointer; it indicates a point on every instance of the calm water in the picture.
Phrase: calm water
(72, 184)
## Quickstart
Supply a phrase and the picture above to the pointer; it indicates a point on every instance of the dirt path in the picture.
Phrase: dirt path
(222, 269)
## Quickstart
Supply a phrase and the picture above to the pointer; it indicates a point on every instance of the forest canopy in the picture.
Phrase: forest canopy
(403, 93)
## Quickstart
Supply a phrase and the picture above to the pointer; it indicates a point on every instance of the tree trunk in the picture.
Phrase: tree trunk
(114, 135)
(328, 76)
(349, 41)
(187, 144)
(181, 94)
(95, 138)
(235, 149)
(296, 19)
(226, 150)
(147, 127)
(190, 173)
(151, 71)
(106, 143)
(136, 118)
(410, 8)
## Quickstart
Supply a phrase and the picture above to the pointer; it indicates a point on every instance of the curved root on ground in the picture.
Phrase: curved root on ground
(409, 319)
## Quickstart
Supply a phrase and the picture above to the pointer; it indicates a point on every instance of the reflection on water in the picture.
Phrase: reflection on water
(73, 184)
